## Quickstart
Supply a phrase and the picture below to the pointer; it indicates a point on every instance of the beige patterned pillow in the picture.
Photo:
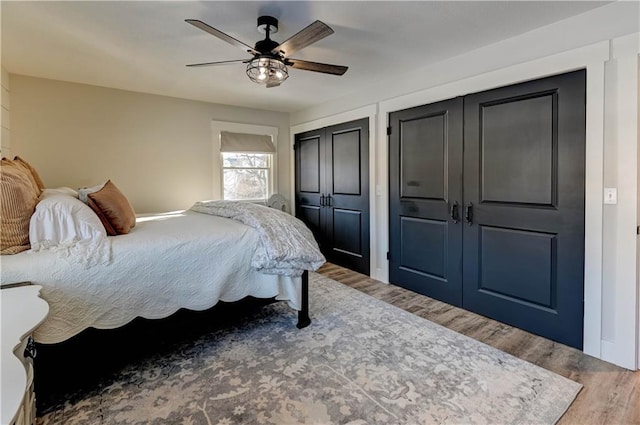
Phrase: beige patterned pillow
(33, 174)
(18, 199)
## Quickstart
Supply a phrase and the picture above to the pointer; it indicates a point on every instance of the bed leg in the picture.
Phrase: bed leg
(303, 315)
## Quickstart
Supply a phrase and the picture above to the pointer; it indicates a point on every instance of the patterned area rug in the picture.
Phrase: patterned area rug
(361, 361)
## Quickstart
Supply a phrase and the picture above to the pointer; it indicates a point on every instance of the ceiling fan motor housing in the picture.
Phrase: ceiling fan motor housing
(265, 46)
(267, 25)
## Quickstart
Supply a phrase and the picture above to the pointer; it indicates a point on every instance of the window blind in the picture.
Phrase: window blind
(241, 142)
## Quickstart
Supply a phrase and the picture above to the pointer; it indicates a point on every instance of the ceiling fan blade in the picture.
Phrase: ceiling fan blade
(309, 35)
(211, 30)
(193, 65)
(325, 68)
(269, 85)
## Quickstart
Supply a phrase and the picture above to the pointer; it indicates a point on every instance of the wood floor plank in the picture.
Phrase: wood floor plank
(611, 394)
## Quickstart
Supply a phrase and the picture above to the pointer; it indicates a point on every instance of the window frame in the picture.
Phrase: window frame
(218, 165)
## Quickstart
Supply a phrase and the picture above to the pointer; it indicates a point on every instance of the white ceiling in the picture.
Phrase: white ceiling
(144, 45)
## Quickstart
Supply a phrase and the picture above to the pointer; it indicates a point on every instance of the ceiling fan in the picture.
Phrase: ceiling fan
(270, 59)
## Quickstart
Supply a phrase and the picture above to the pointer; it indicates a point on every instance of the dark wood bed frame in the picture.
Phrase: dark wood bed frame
(82, 352)
(303, 315)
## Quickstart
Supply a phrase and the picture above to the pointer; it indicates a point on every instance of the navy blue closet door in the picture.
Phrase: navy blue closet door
(524, 178)
(487, 203)
(425, 177)
(332, 191)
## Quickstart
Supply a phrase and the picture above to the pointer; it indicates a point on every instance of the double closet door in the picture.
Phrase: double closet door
(487, 203)
(332, 191)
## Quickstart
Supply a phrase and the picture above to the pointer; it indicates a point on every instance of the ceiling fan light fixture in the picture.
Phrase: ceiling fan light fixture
(270, 71)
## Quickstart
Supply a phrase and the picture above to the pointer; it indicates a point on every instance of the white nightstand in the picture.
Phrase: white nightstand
(21, 310)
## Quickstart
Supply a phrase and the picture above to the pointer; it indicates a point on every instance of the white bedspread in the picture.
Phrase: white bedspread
(169, 261)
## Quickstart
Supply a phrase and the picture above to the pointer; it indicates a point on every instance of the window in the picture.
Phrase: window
(247, 166)
(246, 176)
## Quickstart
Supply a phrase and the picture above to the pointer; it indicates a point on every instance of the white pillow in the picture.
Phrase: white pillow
(65, 224)
(59, 190)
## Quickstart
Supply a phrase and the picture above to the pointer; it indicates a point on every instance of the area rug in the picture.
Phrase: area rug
(362, 361)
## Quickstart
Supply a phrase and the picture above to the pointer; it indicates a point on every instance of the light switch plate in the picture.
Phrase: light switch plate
(610, 195)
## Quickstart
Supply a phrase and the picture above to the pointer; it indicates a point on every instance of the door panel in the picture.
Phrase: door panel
(310, 214)
(524, 176)
(425, 172)
(347, 228)
(518, 264)
(423, 146)
(347, 170)
(420, 236)
(518, 161)
(310, 164)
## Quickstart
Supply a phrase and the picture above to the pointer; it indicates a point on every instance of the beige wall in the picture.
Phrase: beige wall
(5, 136)
(158, 150)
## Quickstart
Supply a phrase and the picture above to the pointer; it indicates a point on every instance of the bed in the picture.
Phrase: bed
(187, 259)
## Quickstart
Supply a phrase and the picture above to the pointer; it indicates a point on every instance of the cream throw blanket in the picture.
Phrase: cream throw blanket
(287, 247)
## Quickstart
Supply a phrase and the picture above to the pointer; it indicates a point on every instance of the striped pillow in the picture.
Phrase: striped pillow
(18, 199)
(33, 175)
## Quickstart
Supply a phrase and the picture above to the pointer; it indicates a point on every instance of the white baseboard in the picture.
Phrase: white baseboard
(611, 353)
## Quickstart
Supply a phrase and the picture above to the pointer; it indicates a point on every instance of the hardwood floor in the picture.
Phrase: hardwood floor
(611, 394)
